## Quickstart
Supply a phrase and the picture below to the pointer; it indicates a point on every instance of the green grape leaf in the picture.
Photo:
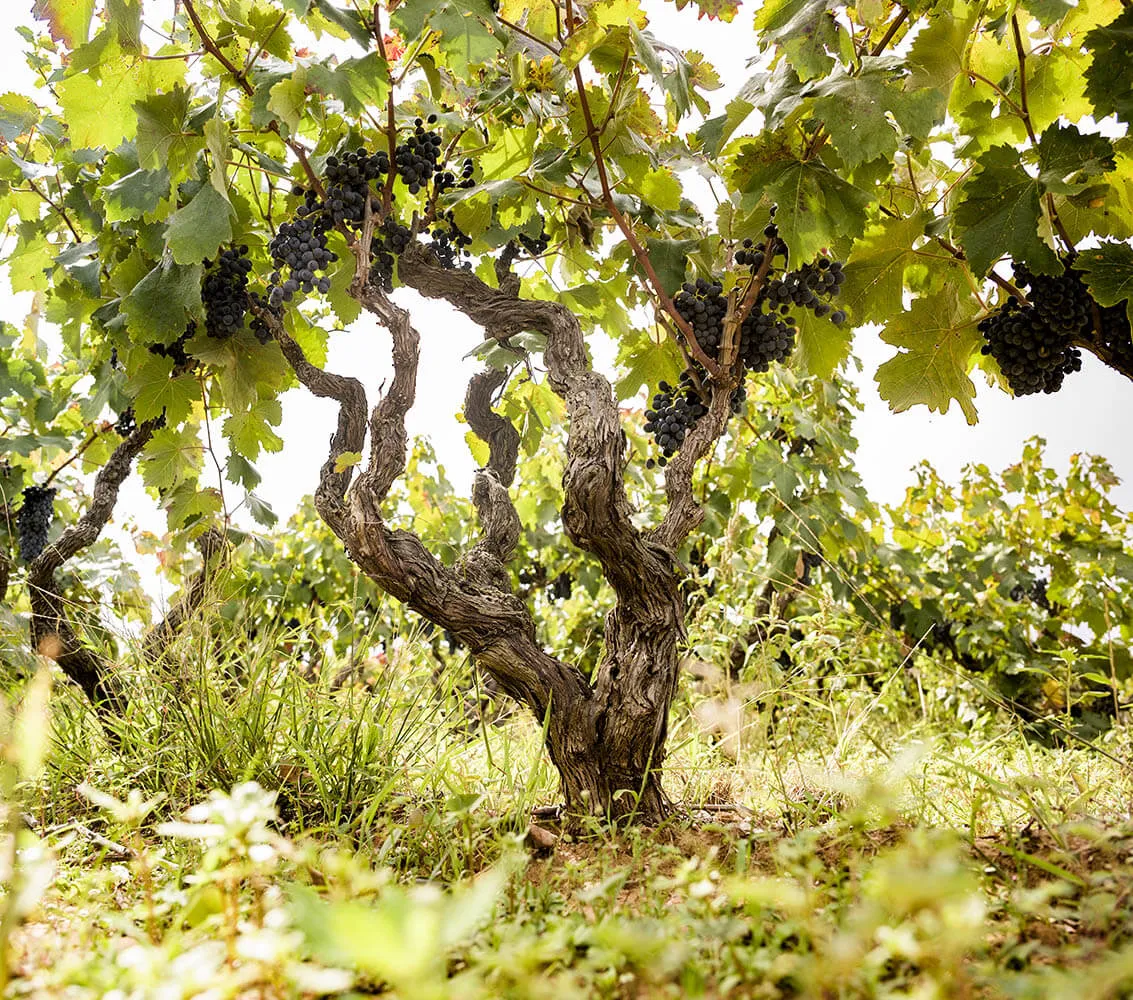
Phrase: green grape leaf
(714, 10)
(17, 115)
(937, 337)
(197, 230)
(806, 30)
(875, 272)
(1068, 159)
(349, 21)
(1108, 271)
(67, 20)
(126, 19)
(358, 83)
(162, 303)
(1000, 214)
(240, 471)
(856, 110)
(1109, 79)
(820, 346)
(158, 393)
(467, 37)
(135, 195)
(165, 138)
(816, 206)
(715, 132)
(937, 55)
(100, 112)
(170, 456)
(288, 97)
(670, 260)
(252, 430)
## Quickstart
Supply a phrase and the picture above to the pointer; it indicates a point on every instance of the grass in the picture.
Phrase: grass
(254, 831)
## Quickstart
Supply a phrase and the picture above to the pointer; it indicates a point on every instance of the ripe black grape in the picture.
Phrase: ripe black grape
(224, 292)
(449, 242)
(391, 239)
(675, 412)
(126, 424)
(1033, 343)
(34, 519)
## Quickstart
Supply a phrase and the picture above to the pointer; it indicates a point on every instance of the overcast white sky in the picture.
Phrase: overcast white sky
(1090, 414)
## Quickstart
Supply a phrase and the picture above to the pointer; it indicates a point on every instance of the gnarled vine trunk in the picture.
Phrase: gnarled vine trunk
(606, 736)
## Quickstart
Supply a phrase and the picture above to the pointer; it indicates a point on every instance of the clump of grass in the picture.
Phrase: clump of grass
(256, 830)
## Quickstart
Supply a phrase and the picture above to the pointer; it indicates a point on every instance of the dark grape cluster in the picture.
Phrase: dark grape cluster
(1114, 334)
(1033, 343)
(224, 292)
(390, 240)
(348, 186)
(176, 351)
(767, 333)
(416, 159)
(702, 305)
(126, 423)
(34, 519)
(299, 247)
(536, 246)
(674, 413)
(445, 180)
(449, 242)
(260, 329)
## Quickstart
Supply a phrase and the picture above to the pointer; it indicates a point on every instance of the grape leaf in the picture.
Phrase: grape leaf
(252, 430)
(1108, 271)
(350, 22)
(162, 303)
(1047, 12)
(17, 115)
(816, 206)
(937, 55)
(820, 346)
(670, 259)
(875, 272)
(158, 393)
(197, 231)
(358, 83)
(999, 214)
(165, 138)
(68, 20)
(136, 194)
(126, 19)
(288, 97)
(722, 10)
(170, 456)
(1109, 79)
(856, 108)
(937, 337)
(1068, 159)
(100, 112)
(805, 30)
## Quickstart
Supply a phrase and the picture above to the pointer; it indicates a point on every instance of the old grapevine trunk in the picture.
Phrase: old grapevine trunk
(606, 736)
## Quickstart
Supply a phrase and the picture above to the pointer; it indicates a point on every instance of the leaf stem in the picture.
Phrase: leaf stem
(894, 27)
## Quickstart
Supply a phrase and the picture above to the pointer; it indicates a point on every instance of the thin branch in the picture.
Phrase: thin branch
(639, 251)
(94, 436)
(58, 209)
